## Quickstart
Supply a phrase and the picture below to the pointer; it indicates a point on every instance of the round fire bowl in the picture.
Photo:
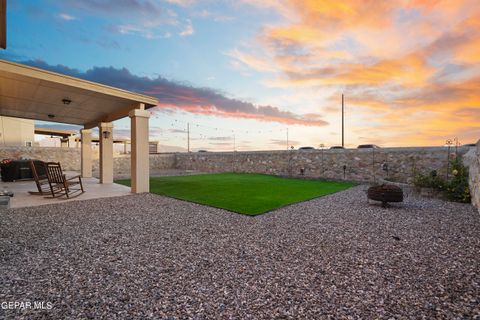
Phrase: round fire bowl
(385, 194)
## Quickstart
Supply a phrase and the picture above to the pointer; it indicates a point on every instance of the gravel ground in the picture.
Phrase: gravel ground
(334, 257)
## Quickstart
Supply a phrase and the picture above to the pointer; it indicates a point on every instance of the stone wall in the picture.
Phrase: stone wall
(68, 157)
(363, 165)
(472, 160)
(121, 164)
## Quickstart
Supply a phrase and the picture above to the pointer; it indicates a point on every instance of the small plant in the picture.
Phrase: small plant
(457, 188)
(431, 180)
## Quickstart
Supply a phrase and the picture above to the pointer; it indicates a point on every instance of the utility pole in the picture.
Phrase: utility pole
(287, 138)
(234, 142)
(188, 136)
(343, 121)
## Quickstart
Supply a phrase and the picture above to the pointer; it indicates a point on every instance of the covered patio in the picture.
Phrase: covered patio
(32, 93)
(94, 190)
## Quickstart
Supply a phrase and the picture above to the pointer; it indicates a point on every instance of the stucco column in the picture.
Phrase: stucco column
(86, 152)
(140, 167)
(71, 141)
(105, 136)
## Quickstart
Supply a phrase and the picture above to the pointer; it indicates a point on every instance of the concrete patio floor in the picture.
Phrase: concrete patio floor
(93, 190)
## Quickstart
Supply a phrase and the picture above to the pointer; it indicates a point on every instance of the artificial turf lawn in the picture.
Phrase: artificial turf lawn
(245, 193)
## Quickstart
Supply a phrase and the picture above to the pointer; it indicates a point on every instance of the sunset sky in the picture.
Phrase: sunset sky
(410, 70)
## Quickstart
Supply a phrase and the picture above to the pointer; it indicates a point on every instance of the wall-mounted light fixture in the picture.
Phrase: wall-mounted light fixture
(106, 134)
(66, 101)
(51, 116)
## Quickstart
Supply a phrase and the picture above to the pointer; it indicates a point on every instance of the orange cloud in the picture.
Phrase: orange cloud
(409, 67)
(252, 61)
(408, 71)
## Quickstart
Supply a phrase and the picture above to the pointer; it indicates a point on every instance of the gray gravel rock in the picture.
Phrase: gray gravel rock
(335, 257)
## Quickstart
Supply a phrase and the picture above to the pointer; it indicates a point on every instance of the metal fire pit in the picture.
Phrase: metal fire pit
(385, 194)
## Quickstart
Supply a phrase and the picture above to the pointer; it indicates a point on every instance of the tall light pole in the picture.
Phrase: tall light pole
(343, 122)
(287, 138)
(188, 136)
(449, 144)
(321, 147)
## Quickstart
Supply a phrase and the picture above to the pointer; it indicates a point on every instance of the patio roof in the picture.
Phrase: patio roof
(32, 93)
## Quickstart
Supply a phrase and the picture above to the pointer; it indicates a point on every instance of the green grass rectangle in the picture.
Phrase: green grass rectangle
(250, 194)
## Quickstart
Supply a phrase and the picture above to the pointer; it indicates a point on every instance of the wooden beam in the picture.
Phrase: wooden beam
(3, 24)
(119, 114)
(54, 132)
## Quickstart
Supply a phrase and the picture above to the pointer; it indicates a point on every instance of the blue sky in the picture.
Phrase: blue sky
(254, 68)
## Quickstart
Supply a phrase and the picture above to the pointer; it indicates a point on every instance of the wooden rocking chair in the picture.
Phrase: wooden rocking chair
(40, 177)
(59, 184)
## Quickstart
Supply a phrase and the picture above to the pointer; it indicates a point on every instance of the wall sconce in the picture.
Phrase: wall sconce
(106, 134)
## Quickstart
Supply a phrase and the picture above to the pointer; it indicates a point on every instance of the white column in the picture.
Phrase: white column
(86, 151)
(71, 141)
(140, 159)
(105, 136)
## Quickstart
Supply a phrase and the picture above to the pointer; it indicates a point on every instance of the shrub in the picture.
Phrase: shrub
(457, 189)
(431, 180)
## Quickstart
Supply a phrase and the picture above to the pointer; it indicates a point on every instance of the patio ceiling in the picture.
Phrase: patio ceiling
(32, 93)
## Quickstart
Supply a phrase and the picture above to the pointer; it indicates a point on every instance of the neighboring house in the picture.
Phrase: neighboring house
(153, 147)
(15, 132)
